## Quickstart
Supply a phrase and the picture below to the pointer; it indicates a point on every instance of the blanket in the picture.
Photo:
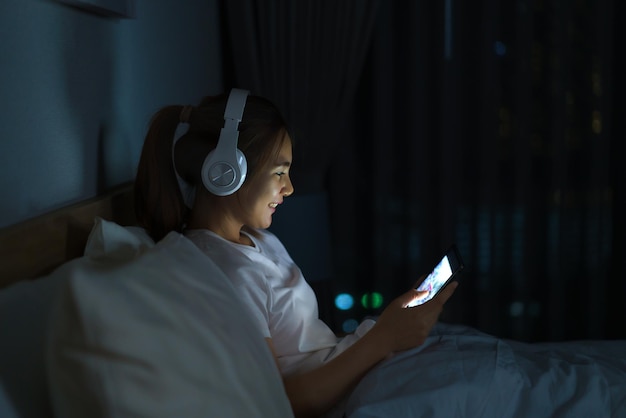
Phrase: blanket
(461, 372)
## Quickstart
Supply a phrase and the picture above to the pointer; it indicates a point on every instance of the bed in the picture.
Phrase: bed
(97, 320)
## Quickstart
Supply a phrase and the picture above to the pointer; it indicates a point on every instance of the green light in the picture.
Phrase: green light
(372, 300)
(377, 300)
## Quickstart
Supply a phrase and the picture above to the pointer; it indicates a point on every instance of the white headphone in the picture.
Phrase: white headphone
(224, 169)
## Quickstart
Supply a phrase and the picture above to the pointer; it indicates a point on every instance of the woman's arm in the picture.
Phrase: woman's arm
(398, 328)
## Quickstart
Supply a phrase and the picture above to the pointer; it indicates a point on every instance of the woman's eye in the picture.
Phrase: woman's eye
(280, 173)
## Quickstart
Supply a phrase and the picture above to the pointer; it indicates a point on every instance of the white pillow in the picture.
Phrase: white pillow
(156, 331)
(109, 241)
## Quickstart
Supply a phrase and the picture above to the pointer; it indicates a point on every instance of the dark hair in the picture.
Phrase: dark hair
(159, 204)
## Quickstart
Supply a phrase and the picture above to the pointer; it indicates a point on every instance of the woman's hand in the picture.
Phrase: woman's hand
(399, 328)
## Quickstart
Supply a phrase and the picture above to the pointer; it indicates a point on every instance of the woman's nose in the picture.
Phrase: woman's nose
(288, 188)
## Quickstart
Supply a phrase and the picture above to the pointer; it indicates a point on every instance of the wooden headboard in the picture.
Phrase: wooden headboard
(35, 247)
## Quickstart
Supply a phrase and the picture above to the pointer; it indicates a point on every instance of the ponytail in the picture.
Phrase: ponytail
(159, 204)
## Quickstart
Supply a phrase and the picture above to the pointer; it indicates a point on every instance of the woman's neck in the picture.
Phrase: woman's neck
(219, 224)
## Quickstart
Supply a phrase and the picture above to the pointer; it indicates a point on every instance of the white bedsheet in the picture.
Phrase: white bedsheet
(460, 372)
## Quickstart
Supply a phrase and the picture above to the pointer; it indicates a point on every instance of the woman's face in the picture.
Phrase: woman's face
(266, 190)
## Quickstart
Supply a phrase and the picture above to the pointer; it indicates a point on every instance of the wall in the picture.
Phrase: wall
(77, 91)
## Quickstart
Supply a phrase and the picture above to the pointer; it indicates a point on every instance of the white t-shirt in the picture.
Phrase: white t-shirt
(280, 300)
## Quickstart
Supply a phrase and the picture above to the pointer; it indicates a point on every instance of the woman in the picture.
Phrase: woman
(224, 203)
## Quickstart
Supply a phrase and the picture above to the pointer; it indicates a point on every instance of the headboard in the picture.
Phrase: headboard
(35, 247)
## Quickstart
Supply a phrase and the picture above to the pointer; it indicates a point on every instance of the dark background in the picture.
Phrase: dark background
(495, 125)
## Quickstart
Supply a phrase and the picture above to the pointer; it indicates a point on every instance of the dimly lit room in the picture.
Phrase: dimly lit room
(489, 131)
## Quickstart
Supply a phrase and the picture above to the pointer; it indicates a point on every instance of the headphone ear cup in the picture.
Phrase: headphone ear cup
(224, 169)
(221, 175)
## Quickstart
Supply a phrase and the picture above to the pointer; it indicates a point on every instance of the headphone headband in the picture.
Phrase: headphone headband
(236, 104)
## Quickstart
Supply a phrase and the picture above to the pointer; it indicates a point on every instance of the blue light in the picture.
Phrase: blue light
(500, 48)
(344, 301)
(516, 309)
(350, 325)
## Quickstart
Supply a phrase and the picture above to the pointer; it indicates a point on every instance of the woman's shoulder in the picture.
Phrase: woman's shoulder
(236, 261)
(215, 246)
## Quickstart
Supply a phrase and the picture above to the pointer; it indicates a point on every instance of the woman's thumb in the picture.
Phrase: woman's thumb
(413, 295)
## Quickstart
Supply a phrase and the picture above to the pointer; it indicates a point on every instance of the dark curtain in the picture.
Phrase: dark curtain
(495, 125)
(305, 56)
(498, 126)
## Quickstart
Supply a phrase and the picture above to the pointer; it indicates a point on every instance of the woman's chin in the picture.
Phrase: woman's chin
(265, 224)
